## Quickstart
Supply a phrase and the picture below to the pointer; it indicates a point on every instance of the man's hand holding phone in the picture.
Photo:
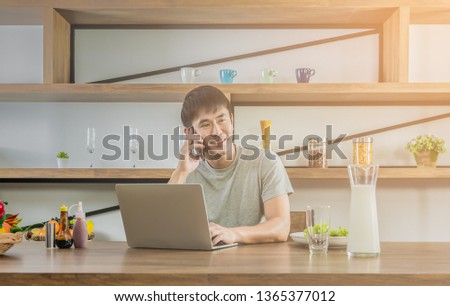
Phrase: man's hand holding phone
(188, 161)
(195, 144)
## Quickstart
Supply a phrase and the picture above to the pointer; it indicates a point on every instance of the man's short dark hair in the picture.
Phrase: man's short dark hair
(204, 98)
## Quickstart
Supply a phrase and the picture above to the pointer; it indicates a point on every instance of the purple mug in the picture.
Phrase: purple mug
(303, 74)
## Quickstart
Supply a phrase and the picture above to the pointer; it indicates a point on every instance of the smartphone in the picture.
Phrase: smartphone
(193, 152)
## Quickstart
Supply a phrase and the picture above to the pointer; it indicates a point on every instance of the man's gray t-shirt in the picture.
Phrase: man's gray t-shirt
(235, 195)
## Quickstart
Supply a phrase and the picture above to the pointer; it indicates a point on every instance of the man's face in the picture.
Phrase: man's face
(218, 123)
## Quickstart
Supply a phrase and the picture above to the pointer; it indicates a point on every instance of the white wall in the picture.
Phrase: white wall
(21, 53)
(33, 133)
(409, 210)
(428, 56)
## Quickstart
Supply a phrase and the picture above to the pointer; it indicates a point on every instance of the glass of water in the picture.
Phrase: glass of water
(318, 228)
(90, 145)
(134, 146)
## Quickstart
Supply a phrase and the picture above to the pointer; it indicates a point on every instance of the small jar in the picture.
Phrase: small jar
(317, 153)
(363, 150)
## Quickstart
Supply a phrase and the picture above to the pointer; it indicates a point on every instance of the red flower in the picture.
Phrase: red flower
(2, 208)
(8, 222)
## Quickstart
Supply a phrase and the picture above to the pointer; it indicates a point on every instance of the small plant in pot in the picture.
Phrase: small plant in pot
(426, 149)
(62, 159)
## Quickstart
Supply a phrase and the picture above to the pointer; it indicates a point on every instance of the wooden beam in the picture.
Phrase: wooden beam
(298, 13)
(56, 48)
(394, 57)
(430, 15)
(21, 16)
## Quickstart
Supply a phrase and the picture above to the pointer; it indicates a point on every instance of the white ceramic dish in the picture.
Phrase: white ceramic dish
(333, 242)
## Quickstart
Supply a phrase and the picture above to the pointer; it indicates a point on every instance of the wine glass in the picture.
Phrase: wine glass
(134, 145)
(90, 146)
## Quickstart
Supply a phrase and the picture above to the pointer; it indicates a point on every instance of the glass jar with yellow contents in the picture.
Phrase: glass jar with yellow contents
(265, 131)
(363, 150)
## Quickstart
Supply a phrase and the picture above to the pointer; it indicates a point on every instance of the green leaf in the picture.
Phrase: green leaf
(318, 229)
(16, 229)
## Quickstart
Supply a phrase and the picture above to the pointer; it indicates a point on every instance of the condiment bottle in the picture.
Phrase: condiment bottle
(362, 151)
(64, 238)
(80, 233)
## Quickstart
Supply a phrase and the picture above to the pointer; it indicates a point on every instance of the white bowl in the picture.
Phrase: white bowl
(333, 242)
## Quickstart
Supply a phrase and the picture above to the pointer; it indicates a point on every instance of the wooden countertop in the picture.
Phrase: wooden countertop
(113, 263)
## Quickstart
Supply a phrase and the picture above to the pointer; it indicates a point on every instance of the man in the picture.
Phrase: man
(246, 193)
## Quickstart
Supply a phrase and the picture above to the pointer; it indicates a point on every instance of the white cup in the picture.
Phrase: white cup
(188, 74)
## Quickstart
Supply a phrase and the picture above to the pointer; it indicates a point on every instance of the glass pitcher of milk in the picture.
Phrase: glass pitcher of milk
(363, 236)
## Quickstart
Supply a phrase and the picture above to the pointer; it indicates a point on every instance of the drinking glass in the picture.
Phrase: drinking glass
(90, 146)
(134, 146)
(318, 228)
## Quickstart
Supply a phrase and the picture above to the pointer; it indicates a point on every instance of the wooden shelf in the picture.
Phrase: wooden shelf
(265, 13)
(114, 175)
(385, 173)
(364, 94)
(330, 94)
(124, 175)
(93, 92)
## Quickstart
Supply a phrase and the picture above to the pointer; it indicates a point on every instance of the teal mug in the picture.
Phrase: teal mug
(227, 76)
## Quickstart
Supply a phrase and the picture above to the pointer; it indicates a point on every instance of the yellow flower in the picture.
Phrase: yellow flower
(90, 226)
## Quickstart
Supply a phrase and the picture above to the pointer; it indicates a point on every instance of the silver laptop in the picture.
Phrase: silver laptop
(165, 216)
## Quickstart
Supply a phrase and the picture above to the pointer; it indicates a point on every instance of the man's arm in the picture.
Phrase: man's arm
(178, 177)
(275, 229)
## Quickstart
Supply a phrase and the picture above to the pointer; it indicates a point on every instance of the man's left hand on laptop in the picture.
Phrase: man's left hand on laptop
(221, 234)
